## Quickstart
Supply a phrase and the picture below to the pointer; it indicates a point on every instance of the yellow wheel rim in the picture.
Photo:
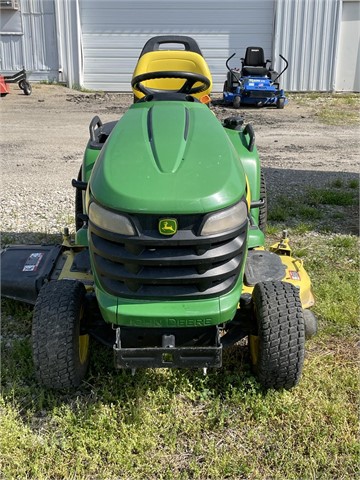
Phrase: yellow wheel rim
(83, 342)
(83, 348)
(254, 349)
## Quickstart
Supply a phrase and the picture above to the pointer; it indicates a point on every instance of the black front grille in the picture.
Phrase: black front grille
(182, 266)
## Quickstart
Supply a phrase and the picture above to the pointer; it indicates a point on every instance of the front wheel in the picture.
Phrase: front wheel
(277, 350)
(60, 348)
(237, 102)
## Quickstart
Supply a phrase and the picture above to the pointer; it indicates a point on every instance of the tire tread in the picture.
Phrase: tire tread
(281, 332)
(55, 334)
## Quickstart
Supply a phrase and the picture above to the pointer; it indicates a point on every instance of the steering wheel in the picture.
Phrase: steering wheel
(188, 87)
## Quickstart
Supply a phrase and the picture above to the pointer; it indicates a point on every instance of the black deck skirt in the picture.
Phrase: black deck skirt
(183, 266)
(260, 94)
(25, 268)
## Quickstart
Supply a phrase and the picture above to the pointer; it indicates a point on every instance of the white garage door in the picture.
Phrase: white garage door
(114, 32)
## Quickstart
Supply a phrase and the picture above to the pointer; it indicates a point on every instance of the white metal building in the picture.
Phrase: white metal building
(96, 43)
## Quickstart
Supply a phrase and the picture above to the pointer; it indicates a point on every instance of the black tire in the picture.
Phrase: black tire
(237, 101)
(280, 103)
(27, 88)
(277, 351)
(60, 353)
(79, 207)
(21, 84)
(311, 324)
(225, 87)
(263, 208)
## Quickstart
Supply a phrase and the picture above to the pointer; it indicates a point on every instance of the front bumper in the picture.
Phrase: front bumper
(182, 357)
(169, 314)
(168, 348)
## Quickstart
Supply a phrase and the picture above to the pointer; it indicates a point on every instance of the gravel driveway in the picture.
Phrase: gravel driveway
(43, 137)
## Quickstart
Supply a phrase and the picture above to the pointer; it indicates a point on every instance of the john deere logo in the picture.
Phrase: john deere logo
(168, 226)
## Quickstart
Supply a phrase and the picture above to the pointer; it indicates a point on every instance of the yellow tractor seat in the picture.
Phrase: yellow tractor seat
(171, 60)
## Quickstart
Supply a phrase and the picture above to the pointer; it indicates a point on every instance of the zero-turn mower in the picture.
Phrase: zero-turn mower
(255, 83)
(168, 266)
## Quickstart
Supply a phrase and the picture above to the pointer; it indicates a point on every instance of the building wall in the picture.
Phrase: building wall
(306, 33)
(70, 55)
(113, 34)
(96, 43)
(33, 44)
(348, 56)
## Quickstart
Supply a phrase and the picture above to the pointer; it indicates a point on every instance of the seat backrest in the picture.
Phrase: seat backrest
(157, 43)
(171, 60)
(254, 57)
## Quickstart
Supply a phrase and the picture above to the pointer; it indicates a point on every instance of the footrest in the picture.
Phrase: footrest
(262, 266)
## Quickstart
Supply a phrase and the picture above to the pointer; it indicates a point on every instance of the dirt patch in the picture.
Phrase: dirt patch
(43, 137)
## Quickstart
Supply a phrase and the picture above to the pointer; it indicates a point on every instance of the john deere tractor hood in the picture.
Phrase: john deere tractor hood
(163, 158)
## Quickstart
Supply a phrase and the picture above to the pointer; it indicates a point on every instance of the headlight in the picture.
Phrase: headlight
(110, 221)
(225, 220)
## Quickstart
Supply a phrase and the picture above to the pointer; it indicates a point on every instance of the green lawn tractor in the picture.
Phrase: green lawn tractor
(168, 266)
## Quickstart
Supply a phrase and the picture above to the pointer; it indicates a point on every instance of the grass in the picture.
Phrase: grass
(332, 108)
(76, 86)
(52, 81)
(81, 88)
(316, 207)
(164, 424)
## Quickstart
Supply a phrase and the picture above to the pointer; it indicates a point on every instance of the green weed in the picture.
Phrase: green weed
(308, 212)
(330, 197)
(301, 228)
(81, 88)
(353, 184)
(278, 214)
(338, 183)
(51, 81)
(272, 229)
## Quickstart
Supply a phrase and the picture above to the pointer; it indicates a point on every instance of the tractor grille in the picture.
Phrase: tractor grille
(182, 266)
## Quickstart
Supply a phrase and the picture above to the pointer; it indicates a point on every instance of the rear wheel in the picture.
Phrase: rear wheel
(263, 208)
(27, 88)
(277, 351)
(280, 103)
(237, 102)
(60, 350)
(78, 204)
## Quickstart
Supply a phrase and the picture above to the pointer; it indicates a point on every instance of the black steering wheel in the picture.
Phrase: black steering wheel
(188, 87)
